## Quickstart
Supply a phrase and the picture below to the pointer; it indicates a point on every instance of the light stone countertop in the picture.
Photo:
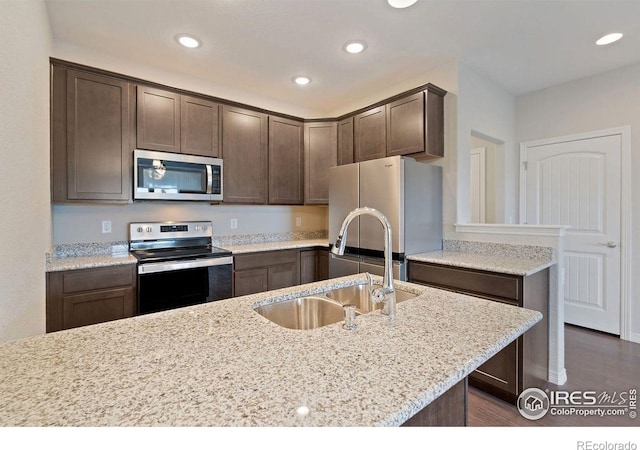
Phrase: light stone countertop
(222, 364)
(97, 255)
(56, 264)
(281, 245)
(492, 263)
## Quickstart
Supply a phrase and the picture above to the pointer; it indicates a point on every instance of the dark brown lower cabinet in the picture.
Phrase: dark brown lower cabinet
(88, 296)
(314, 266)
(522, 364)
(264, 271)
(448, 410)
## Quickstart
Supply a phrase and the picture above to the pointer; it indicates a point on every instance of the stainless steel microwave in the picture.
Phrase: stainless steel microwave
(174, 176)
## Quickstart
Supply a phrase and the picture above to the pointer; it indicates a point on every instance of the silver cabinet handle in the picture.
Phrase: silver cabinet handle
(609, 244)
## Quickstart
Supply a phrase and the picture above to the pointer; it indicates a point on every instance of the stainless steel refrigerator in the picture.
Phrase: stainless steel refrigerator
(409, 193)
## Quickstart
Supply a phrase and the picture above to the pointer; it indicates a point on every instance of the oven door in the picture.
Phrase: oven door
(174, 284)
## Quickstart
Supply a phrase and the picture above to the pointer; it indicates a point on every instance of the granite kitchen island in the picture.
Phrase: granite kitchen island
(223, 364)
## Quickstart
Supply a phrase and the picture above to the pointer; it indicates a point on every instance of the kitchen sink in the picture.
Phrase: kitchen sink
(359, 295)
(305, 313)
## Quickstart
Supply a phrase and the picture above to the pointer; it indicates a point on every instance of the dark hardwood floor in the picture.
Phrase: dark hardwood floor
(594, 361)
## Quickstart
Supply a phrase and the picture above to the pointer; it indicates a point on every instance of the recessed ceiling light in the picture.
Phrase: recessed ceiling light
(401, 3)
(301, 80)
(609, 38)
(188, 41)
(354, 47)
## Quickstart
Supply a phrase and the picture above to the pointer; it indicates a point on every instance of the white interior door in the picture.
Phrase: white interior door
(577, 183)
(478, 185)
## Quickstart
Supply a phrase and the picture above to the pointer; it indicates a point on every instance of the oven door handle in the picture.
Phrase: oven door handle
(183, 264)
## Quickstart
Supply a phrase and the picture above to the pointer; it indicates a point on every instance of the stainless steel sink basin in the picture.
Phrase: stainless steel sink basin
(303, 313)
(359, 295)
(316, 311)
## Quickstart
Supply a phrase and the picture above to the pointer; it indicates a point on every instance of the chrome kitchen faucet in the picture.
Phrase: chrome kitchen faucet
(387, 292)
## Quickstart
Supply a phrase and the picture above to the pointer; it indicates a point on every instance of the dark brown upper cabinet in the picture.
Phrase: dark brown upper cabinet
(405, 125)
(370, 134)
(434, 122)
(286, 161)
(415, 125)
(345, 141)
(320, 150)
(200, 126)
(158, 114)
(245, 154)
(177, 123)
(92, 141)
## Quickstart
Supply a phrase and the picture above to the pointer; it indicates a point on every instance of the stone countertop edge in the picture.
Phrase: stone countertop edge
(59, 264)
(170, 368)
(490, 263)
(270, 246)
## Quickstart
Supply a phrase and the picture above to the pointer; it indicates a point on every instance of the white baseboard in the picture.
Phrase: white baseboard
(634, 337)
(558, 378)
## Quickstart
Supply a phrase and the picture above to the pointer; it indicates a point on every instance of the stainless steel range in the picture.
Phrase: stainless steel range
(178, 265)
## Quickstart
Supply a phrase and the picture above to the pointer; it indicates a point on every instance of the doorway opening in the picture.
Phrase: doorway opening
(486, 163)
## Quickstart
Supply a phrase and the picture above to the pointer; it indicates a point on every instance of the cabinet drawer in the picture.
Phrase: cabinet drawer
(493, 285)
(97, 278)
(264, 259)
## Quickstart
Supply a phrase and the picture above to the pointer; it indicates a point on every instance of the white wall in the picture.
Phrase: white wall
(486, 109)
(24, 152)
(83, 223)
(599, 102)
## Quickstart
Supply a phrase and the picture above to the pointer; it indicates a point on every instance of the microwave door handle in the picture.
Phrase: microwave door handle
(209, 179)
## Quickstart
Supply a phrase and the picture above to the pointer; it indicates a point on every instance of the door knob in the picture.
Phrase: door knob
(609, 244)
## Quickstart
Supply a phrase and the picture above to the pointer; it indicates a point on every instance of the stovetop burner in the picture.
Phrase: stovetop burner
(168, 254)
(168, 241)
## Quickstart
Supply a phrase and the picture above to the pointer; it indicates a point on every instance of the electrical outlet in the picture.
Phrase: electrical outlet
(234, 224)
(298, 221)
(106, 226)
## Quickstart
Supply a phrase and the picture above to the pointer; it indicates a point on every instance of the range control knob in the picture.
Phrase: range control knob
(139, 229)
(197, 227)
(148, 229)
(204, 228)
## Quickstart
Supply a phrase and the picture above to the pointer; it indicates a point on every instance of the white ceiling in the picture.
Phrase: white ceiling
(259, 45)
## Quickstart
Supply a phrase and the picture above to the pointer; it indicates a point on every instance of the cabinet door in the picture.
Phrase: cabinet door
(97, 307)
(251, 281)
(158, 115)
(308, 266)
(97, 144)
(320, 147)
(244, 150)
(405, 125)
(286, 154)
(314, 266)
(283, 275)
(500, 372)
(370, 134)
(345, 141)
(199, 127)
(88, 296)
